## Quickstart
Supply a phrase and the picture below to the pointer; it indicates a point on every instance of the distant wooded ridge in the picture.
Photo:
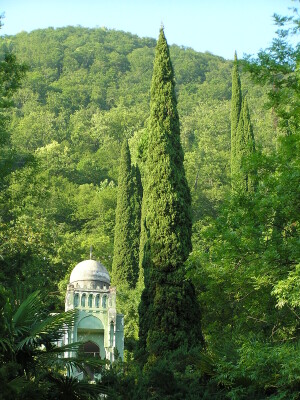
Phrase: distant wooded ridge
(84, 92)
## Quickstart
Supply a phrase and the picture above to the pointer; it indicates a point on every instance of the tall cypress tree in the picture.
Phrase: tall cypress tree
(244, 177)
(236, 104)
(169, 314)
(127, 227)
(136, 205)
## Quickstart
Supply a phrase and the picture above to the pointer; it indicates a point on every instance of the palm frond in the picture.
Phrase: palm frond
(49, 329)
(55, 325)
(92, 362)
(80, 363)
(18, 293)
(55, 356)
(27, 312)
(70, 347)
(18, 383)
(26, 342)
(69, 387)
(5, 344)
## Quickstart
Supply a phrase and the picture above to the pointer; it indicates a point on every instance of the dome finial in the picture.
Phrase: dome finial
(91, 252)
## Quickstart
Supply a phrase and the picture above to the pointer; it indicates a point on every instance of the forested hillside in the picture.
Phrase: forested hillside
(84, 92)
(85, 95)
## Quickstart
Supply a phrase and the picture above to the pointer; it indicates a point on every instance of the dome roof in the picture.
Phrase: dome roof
(90, 270)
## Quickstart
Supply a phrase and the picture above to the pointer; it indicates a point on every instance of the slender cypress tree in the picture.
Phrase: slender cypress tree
(244, 177)
(169, 314)
(136, 205)
(127, 228)
(236, 104)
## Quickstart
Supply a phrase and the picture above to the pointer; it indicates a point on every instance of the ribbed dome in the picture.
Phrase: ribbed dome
(90, 270)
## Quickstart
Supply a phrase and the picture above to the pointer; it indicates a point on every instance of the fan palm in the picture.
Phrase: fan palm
(32, 343)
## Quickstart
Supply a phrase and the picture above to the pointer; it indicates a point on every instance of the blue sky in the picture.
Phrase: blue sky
(218, 26)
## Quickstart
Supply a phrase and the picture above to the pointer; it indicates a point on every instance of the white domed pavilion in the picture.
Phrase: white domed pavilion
(98, 324)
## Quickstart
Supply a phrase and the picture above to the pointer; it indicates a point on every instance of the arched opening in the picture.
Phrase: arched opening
(97, 301)
(76, 300)
(91, 348)
(83, 300)
(104, 301)
(90, 301)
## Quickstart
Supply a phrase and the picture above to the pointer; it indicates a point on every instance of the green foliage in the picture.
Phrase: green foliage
(32, 363)
(11, 75)
(62, 164)
(236, 106)
(263, 371)
(168, 302)
(247, 262)
(277, 68)
(86, 90)
(166, 194)
(180, 374)
(243, 175)
(205, 137)
(247, 259)
(125, 266)
(127, 228)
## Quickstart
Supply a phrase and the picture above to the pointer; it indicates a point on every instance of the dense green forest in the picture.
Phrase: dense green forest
(84, 92)
(70, 100)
